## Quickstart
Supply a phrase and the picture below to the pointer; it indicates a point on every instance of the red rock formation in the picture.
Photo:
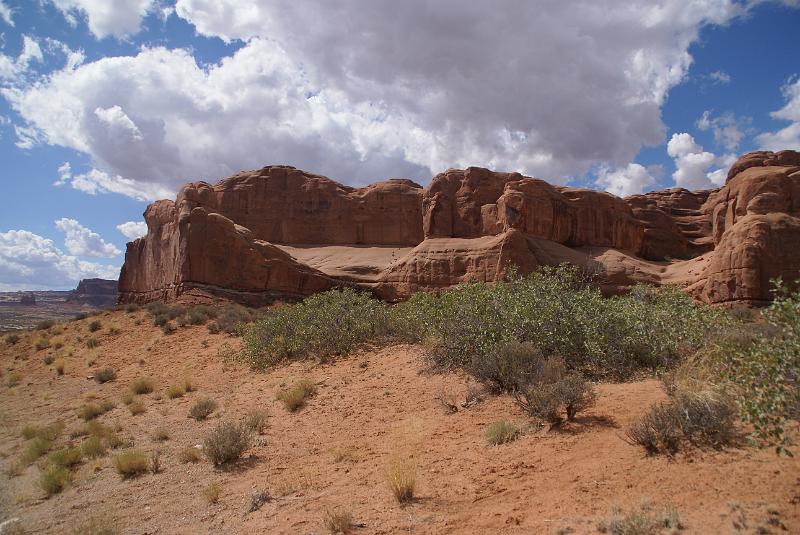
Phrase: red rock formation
(245, 236)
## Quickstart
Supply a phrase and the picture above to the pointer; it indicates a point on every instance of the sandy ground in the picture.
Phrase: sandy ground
(333, 454)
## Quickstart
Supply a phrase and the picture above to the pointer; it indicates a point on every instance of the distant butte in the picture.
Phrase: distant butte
(282, 233)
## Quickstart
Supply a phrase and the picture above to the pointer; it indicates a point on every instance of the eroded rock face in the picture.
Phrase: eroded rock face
(96, 292)
(243, 236)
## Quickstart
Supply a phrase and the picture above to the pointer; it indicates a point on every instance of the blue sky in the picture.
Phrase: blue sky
(104, 110)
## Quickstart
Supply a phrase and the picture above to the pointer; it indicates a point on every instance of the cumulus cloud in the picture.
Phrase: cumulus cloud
(727, 128)
(629, 180)
(15, 70)
(81, 241)
(5, 14)
(30, 261)
(693, 164)
(119, 18)
(789, 136)
(377, 89)
(133, 229)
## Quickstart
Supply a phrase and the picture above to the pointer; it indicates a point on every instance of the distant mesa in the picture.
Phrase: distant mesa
(282, 233)
(27, 299)
(101, 293)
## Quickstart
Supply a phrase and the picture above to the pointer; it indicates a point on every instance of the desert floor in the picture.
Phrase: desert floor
(332, 455)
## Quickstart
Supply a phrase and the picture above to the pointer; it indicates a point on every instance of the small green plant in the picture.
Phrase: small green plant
(294, 398)
(142, 385)
(212, 492)
(202, 409)
(502, 432)
(54, 479)
(105, 375)
(131, 463)
(227, 442)
(401, 477)
(94, 326)
(92, 343)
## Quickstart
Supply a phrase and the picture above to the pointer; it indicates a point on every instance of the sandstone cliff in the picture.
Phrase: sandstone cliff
(279, 232)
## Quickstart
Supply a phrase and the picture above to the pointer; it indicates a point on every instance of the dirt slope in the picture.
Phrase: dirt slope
(370, 407)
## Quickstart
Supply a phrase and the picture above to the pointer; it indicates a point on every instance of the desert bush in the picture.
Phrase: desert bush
(93, 447)
(34, 449)
(47, 432)
(294, 398)
(339, 521)
(508, 367)
(231, 319)
(198, 315)
(95, 526)
(202, 409)
(156, 308)
(89, 411)
(701, 418)
(189, 455)
(80, 316)
(48, 359)
(105, 375)
(58, 366)
(11, 339)
(13, 379)
(41, 343)
(131, 307)
(160, 320)
(155, 461)
(256, 421)
(550, 390)
(212, 492)
(401, 477)
(323, 325)
(54, 479)
(136, 407)
(44, 325)
(66, 457)
(175, 391)
(161, 434)
(142, 385)
(168, 328)
(94, 326)
(226, 442)
(644, 520)
(501, 432)
(92, 343)
(130, 463)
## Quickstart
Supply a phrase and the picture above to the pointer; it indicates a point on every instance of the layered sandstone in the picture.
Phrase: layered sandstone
(279, 232)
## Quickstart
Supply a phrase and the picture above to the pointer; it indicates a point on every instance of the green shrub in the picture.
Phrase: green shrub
(131, 307)
(326, 324)
(47, 432)
(160, 320)
(131, 463)
(54, 479)
(93, 447)
(105, 375)
(168, 328)
(94, 326)
(227, 442)
(12, 339)
(294, 398)
(507, 368)
(34, 449)
(142, 385)
(231, 319)
(202, 409)
(66, 457)
(200, 314)
(501, 432)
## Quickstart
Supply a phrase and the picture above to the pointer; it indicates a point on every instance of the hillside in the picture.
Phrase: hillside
(333, 454)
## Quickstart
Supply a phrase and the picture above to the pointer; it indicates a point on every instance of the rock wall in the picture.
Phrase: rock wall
(235, 238)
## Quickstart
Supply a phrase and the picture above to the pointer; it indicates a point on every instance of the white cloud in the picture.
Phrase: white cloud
(374, 89)
(81, 241)
(133, 229)
(719, 77)
(629, 180)
(119, 18)
(789, 136)
(692, 164)
(5, 14)
(15, 70)
(727, 128)
(30, 261)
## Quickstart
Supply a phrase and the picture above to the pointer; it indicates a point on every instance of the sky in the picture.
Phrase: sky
(107, 105)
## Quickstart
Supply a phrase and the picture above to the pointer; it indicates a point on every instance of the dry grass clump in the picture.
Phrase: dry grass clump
(94, 326)
(44, 325)
(47, 432)
(142, 385)
(95, 526)
(700, 418)
(549, 390)
(256, 421)
(34, 449)
(12, 339)
(189, 455)
(644, 520)
(212, 492)
(90, 411)
(92, 343)
(294, 398)
(502, 432)
(137, 407)
(48, 359)
(66, 457)
(100, 438)
(226, 442)
(54, 479)
(161, 434)
(105, 375)
(339, 521)
(202, 409)
(41, 343)
(155, 461)
(402, 479)
(131, 463)
(58, 366)
(93, 447)
(13, 379)
(175, 391)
